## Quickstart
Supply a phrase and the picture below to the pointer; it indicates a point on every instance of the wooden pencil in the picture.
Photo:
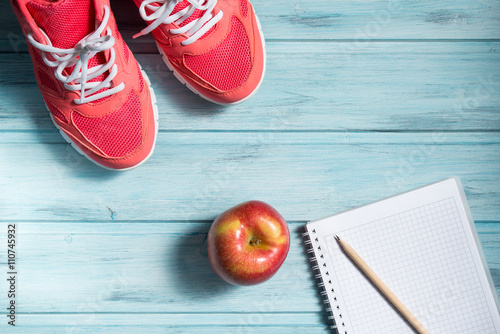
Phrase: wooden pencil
(381, 286)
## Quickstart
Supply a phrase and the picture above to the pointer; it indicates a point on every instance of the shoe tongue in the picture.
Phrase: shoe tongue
(178, 7)
(66, 22)
(183, 4)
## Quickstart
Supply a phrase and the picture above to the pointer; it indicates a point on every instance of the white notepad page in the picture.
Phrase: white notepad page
(423, 245)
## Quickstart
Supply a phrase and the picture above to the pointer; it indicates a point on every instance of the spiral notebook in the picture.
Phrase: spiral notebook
(424, 246)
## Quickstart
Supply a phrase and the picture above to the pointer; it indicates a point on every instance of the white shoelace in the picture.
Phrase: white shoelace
(79, 56)
(163, 15)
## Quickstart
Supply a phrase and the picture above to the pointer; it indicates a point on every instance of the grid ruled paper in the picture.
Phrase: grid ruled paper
(425, 253)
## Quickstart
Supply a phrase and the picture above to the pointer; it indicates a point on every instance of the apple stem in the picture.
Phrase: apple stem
(255, 242)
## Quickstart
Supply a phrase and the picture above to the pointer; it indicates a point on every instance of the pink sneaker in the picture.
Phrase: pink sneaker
(215, 47)
(92, 85)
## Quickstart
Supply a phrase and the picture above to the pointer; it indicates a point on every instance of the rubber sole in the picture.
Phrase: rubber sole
(156, 116)
(184, 82)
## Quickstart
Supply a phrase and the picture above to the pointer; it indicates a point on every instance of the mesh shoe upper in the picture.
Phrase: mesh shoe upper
(66, 23)
(224, 65)
(117, 131)
(227, 66)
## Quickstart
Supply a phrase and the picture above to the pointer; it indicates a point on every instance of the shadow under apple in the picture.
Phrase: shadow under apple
(192, 271)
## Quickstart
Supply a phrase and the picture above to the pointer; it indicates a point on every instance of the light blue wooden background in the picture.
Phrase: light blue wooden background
(361, 100)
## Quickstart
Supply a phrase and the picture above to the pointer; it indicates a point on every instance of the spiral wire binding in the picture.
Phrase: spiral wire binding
(312, 244)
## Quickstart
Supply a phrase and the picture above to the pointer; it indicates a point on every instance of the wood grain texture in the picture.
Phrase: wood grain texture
(361, 100)
(120, 325)
(92, 267)
(195, 176)
(328, 87)
(324, 20)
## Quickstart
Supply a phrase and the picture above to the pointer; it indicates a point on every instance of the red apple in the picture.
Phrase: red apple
(248, 243)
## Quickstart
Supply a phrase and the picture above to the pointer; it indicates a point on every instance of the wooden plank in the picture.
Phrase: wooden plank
(324, 20)
(145, 267)
(167, 329)
(380, 86)
(177, 319)
(39, 328)
(197, 175)
(88, 269)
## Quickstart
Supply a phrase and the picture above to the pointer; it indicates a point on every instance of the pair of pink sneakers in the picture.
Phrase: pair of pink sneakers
(95, 90)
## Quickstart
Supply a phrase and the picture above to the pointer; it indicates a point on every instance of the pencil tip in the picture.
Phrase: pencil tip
(336, 237)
